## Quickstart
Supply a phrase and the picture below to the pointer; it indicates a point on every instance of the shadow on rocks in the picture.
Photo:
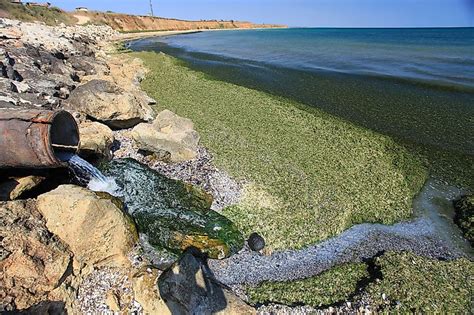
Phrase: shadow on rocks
(42, 308)
(189, 286)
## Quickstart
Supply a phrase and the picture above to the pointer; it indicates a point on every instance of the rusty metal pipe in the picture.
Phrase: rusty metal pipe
(36, 138)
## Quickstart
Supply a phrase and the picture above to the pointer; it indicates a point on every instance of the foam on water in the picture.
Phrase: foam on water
(109, 186)
(96, 180)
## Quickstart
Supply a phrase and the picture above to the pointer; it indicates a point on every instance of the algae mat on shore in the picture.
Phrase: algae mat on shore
(333, 286)
(400, 282)
(307, 174)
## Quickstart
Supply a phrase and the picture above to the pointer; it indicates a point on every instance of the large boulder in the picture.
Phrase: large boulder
(33, 262)
(96, 140)
(96, 229)
(107, 102)
(188, 287)
(168, 132)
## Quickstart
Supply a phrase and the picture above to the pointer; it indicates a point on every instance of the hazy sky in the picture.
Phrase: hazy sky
(332, 13)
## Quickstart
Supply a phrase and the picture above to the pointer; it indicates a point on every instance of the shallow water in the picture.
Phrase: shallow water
(415, 84)
(435, 203)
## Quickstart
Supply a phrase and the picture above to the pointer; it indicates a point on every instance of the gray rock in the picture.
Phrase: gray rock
(107, 102)
(19, 87)
(256, 242)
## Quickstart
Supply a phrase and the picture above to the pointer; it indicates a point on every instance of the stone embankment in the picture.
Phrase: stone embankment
(65, 248)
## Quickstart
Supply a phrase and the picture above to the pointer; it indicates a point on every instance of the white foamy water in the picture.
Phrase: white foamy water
(108, 185)
(97, 180)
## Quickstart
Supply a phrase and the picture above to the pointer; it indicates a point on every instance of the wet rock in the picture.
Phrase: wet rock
(170, 133)
(32, 262)
(173, 215)
(97, 231)
(256, 242)
(14, 187)
(106, 102)
(96, 140)
(188, 287)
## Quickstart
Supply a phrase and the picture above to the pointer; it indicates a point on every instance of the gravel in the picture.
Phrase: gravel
(93, 291)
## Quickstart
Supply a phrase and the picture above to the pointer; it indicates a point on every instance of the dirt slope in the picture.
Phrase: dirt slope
(128, 23)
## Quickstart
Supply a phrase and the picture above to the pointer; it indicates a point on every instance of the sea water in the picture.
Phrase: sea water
(413, 84)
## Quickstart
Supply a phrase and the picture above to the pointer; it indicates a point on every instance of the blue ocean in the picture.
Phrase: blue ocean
(416, 85)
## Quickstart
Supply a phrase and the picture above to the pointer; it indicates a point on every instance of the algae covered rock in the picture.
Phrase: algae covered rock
(172, 214)
(465, 216)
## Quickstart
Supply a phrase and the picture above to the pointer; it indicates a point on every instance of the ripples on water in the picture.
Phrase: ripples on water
(441, 56)
(415, 84)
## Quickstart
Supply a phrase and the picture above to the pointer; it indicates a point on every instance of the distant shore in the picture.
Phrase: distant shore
(146, 34)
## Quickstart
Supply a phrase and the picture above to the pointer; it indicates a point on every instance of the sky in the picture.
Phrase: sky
(304, 13)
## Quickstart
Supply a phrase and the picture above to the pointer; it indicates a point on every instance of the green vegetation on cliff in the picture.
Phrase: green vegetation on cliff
(49, 16)
(307, 174)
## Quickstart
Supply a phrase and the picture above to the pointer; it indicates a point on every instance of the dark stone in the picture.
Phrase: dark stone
(188, 287)
(256, 242)
(83, 64)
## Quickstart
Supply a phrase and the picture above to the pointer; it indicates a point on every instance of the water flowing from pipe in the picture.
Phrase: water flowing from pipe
(86, 172)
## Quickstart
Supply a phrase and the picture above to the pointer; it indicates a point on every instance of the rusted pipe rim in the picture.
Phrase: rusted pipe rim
(63, 136)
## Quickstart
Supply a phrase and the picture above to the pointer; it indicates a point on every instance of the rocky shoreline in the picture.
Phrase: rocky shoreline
(66, 249)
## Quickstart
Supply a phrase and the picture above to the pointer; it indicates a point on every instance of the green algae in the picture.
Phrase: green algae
(414, 284)
(335, 285)
(464, 217)
(308, 175)
(48, 15)
(404, 282)
(173, 215)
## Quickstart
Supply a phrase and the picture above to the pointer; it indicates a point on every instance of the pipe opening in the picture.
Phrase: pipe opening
(64, 136)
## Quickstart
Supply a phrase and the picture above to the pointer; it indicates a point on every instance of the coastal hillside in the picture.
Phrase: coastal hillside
(121, 22)
(47, 15)
(130, 23)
